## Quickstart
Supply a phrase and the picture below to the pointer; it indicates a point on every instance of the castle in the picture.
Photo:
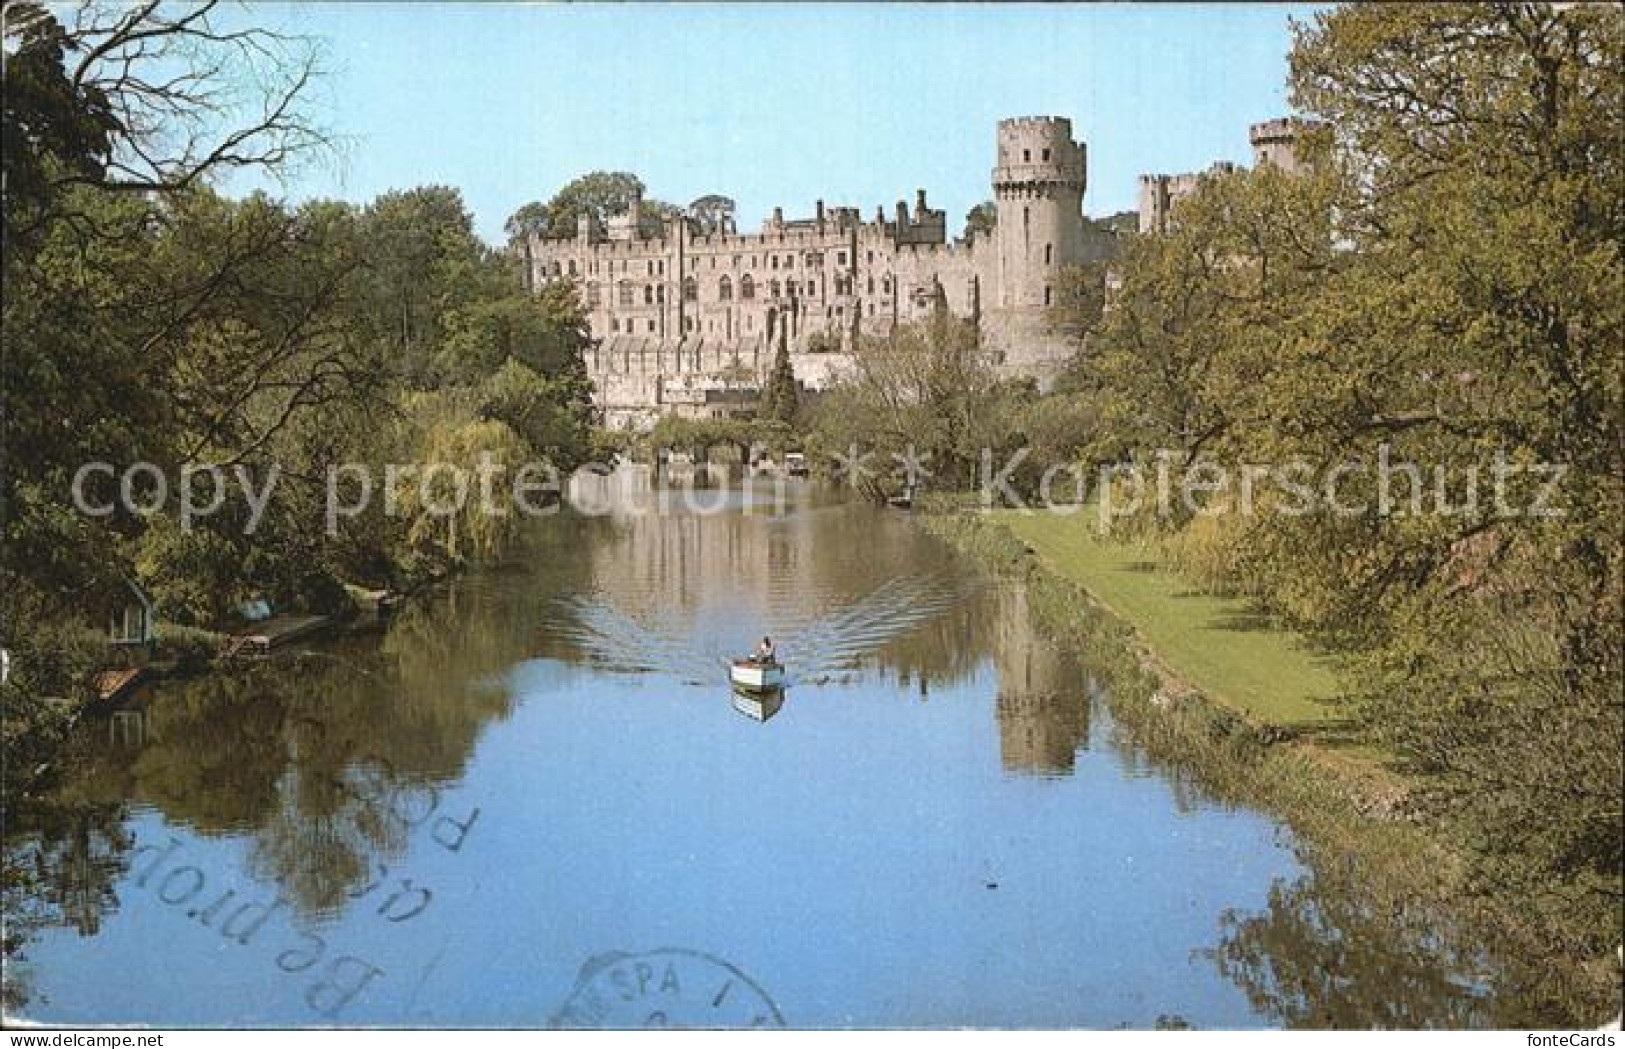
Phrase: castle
(687, 322)
(1274, 143)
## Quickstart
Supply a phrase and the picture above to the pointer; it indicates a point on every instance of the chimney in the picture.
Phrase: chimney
(919, 203)
(902, 214)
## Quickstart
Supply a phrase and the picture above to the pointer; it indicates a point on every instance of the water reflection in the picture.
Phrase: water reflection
(953, 832)
(1044, 696)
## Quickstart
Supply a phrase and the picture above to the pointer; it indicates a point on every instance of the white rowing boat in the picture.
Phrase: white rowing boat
(756, 676)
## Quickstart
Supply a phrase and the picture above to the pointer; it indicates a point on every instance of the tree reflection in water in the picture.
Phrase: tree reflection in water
(1322, 956)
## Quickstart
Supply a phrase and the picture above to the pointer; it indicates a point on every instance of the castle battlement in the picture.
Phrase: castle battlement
(688, 304)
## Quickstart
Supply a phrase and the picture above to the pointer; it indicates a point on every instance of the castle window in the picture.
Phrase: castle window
(1049, 254)
(614, 324)
(840, 258)
(651, 324)
(592, 296)
(773, 289)
(1046, 156)
(747, 287)
(626, 294)
(660, 293)
(725, 289)
(555, 267)
(648, 294)
(789, 262)
(572, 267)
(773, 261)
(750, 322)
(885, 285)
(1026, 156)
(812, 289)
(871, 285)
(871, 309)
(691, 289)
(1048, 294)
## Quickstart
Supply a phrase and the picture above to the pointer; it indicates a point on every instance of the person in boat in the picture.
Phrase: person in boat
(764, 651)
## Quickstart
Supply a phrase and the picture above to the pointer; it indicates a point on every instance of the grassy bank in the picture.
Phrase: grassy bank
(1218, 645)
(1236, 710)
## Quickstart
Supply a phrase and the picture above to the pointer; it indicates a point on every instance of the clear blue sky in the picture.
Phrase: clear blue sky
(777, 104)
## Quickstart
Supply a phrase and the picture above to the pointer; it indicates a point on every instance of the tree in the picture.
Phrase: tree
(712, 213)
(779, 397)
(598, 195)
(531, 220)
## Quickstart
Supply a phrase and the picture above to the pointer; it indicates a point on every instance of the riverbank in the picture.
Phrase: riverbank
(1241, 707)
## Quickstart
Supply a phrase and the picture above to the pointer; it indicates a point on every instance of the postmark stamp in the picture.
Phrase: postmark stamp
(668, 987)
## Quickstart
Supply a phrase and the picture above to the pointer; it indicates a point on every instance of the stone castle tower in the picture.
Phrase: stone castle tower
(1038, 185)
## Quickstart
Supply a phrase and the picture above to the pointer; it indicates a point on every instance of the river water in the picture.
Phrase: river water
(531, 800)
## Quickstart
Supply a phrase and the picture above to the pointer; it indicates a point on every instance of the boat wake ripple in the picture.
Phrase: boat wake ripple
(812, 648)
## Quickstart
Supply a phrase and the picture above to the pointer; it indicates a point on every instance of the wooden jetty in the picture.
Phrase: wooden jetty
(269, 634)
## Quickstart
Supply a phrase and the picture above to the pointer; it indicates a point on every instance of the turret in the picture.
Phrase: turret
(1275, 142)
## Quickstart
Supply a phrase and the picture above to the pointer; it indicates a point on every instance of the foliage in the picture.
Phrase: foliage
(780, 398)
(1440, 285)
(712, 213)
(151, 319)
(981, 220)
(926, 391)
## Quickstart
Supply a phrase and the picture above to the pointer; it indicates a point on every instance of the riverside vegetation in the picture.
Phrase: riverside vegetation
(1443, 283)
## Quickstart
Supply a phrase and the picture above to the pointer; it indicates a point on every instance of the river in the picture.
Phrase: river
(531, 800)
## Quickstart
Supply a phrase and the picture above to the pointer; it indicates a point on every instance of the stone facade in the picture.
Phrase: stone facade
(1274, 143)
(688, 323)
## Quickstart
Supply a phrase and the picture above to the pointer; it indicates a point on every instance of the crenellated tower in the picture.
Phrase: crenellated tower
(1038, 186)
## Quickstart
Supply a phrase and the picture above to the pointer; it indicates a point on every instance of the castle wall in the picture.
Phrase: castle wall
(694, 312)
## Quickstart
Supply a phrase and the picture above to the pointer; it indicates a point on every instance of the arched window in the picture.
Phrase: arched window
(691, 289)
(747, 287)
(725, 289)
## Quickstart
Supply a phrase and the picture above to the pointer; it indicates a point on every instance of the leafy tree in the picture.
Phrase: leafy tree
(780, 398)
(597, 195)
(712, 213)
(981, 220)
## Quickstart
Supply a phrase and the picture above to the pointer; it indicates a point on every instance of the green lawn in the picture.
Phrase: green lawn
(1217, 644)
